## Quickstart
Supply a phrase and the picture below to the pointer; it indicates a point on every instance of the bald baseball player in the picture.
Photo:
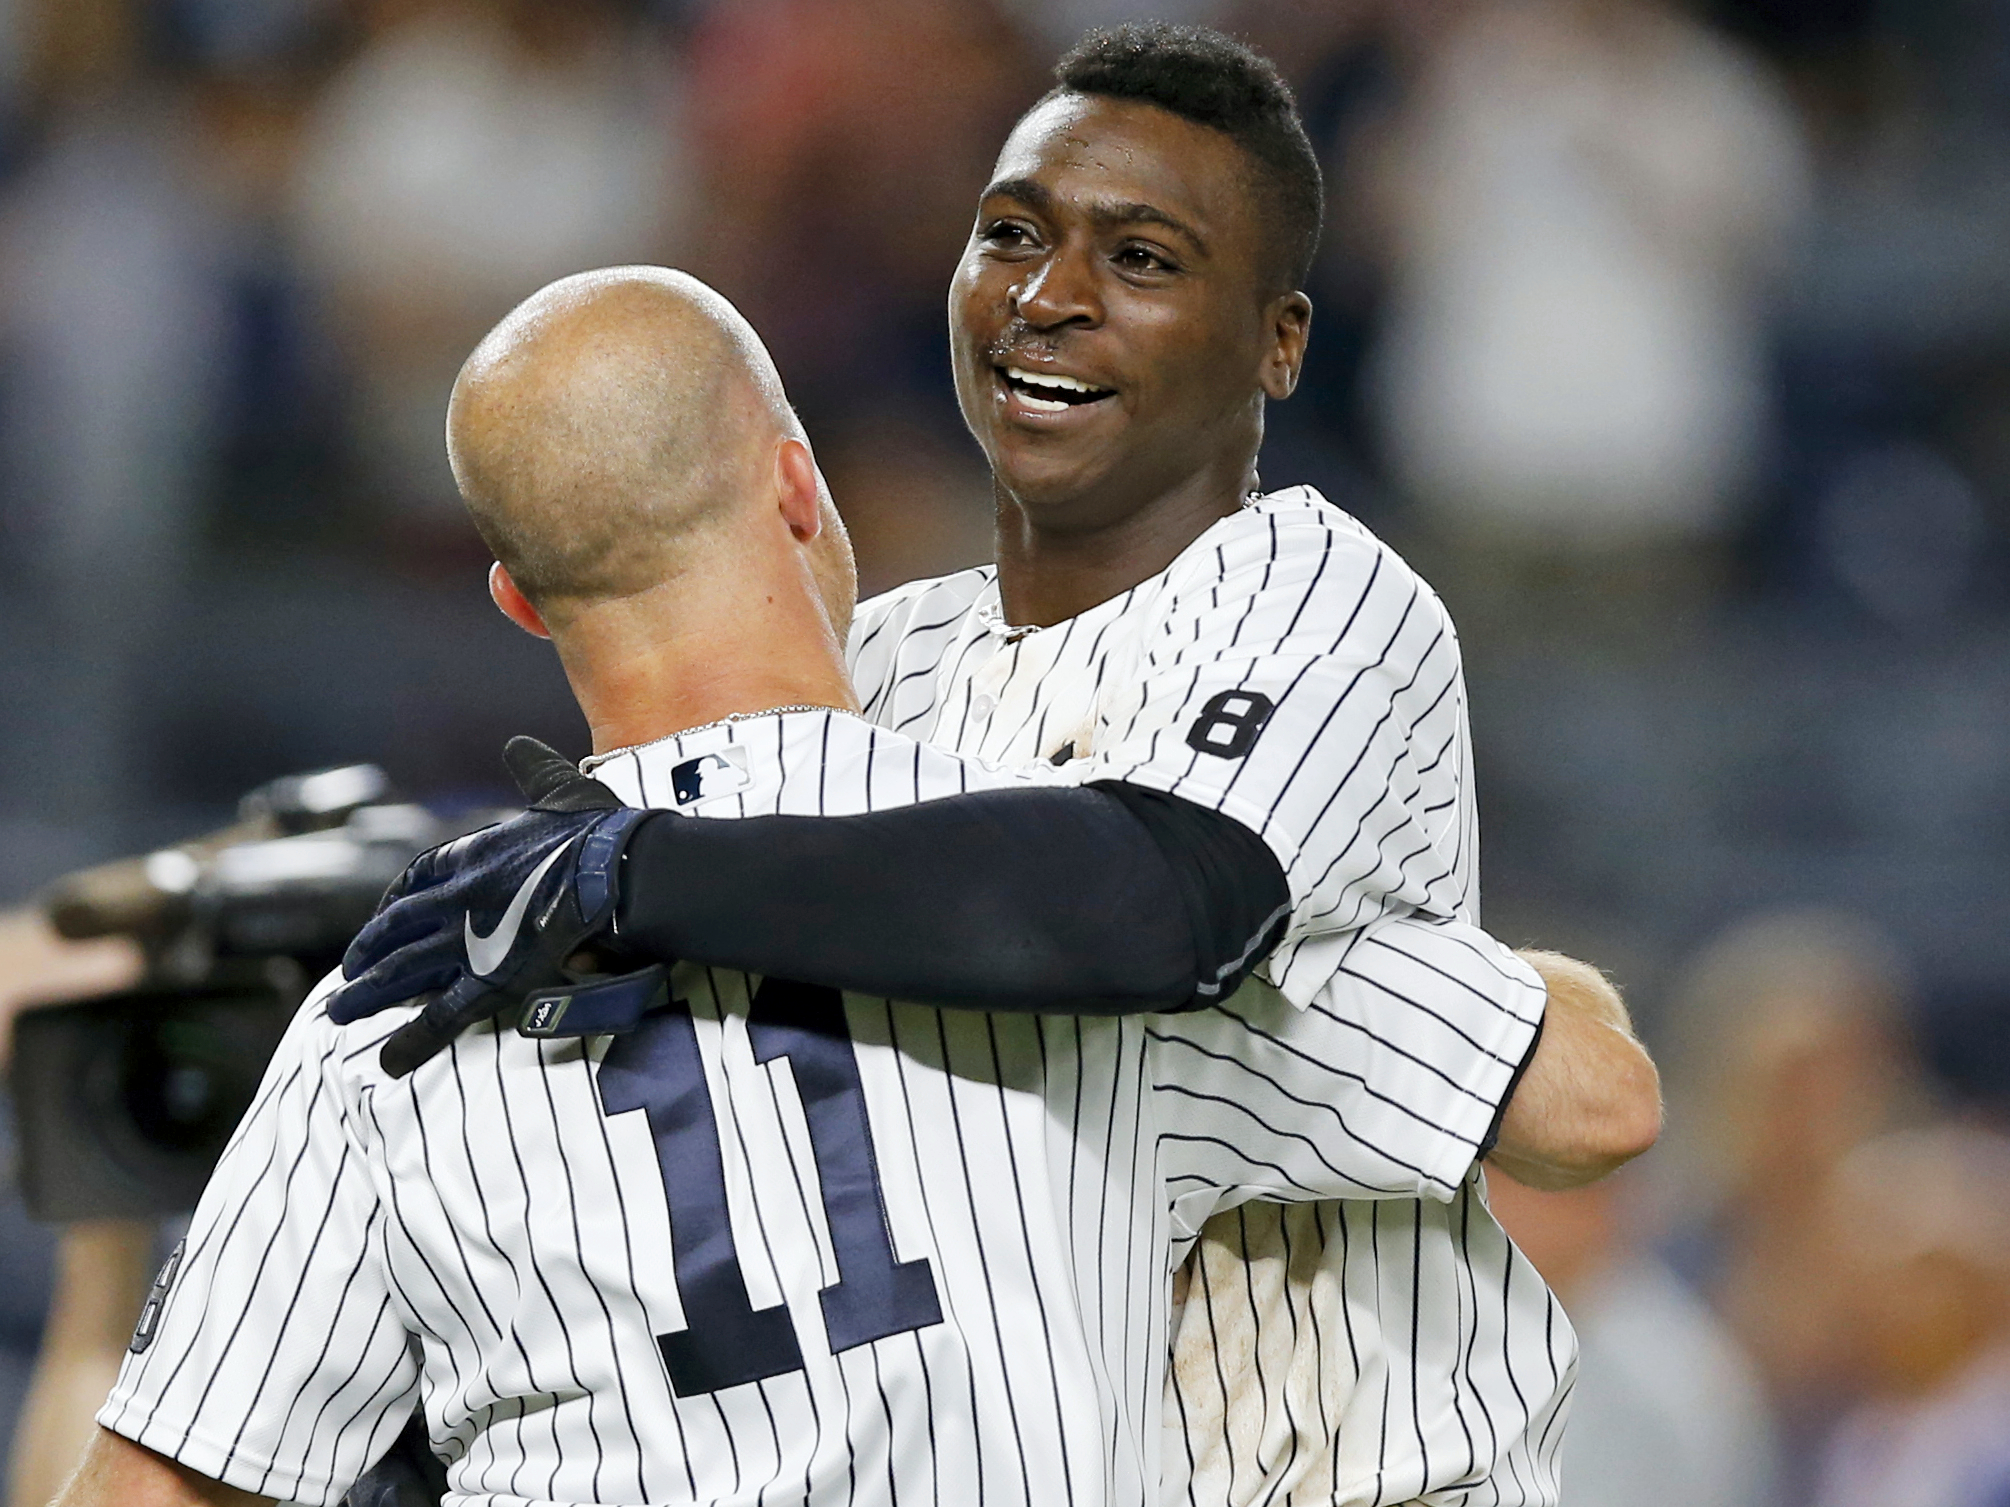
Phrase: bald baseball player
(698, 1234)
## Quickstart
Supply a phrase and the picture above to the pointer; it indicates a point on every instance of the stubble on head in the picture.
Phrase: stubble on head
(603, 424)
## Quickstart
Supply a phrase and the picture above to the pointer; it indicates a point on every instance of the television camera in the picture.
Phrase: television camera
(123, 1103)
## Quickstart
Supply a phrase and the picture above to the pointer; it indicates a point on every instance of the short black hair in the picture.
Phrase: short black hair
(1213, 80)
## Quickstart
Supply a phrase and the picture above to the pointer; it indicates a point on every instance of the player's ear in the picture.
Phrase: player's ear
(514, 604)
(1290, 324)
(799, 490)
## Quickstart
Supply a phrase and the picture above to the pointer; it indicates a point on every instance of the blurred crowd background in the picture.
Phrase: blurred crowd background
(1671, 341)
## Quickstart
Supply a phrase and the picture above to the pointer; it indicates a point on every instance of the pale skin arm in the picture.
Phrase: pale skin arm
(1590, 1101)
(102, 1269)
(118, 1473)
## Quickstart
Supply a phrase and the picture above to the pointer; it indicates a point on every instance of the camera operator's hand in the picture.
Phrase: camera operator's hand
(479, 922)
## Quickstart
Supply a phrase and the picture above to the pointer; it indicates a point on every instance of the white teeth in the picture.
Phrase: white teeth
(1050, 379)
(1043, 405)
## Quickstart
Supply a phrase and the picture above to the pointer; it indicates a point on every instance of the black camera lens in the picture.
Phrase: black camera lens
(123, 1104)
(185, 1083)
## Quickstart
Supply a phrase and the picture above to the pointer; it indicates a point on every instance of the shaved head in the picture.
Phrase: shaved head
(607, 426)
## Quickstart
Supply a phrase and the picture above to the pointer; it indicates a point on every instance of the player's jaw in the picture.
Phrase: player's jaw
(1053, 424)
(1076, 446)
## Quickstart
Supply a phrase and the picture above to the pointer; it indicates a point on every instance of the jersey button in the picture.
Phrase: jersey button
(983, 705)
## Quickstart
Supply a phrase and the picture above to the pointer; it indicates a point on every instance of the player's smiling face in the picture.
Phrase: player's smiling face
(1109, 321)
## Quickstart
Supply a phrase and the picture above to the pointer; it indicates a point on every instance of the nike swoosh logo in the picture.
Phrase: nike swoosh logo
(486, 953)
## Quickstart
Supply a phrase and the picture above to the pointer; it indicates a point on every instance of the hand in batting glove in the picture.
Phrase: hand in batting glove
(477, 923)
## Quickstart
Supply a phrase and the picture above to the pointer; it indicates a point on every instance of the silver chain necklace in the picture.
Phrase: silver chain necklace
(685, 732)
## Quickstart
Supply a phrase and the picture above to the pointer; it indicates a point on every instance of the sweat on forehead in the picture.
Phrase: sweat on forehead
(1133, 161)
(1123, 139)
(602, 420)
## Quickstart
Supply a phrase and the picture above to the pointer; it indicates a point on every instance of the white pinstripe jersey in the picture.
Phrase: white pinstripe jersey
(775, 1244)
(1359, 1353)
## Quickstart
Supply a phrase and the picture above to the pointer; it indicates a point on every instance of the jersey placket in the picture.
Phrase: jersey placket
(1033, 697)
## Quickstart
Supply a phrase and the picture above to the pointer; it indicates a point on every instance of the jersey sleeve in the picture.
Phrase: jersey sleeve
(270, 1354)
(1304, 681)
(1384, 1086)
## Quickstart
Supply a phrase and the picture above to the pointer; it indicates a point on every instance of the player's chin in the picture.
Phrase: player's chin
(1048, 483)
(1051, 468)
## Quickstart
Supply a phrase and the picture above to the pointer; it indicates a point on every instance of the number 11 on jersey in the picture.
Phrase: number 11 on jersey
(727, 1342)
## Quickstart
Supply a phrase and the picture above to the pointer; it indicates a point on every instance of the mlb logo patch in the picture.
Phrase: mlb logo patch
(710, 776)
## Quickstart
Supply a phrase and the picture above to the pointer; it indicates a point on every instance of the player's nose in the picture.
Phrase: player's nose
(1060, 289)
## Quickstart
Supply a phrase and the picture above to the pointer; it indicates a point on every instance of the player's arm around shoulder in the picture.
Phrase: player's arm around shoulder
(1589, 1099)
(119, 1473)
(1369, 1090)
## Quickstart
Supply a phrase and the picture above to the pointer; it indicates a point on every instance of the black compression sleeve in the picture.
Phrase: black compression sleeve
(1090, 901)
(1228, 880)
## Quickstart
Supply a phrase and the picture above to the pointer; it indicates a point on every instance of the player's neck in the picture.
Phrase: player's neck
(645, 669)
(1050, 568)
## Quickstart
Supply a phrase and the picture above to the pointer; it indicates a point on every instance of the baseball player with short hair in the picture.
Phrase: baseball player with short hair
(697, 1234)
(1264, 667)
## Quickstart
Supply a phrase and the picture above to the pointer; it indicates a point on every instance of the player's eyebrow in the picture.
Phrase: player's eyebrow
(1036, 196)
(1028, 191)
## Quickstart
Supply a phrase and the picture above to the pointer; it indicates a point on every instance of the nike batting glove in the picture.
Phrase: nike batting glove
(475, 924)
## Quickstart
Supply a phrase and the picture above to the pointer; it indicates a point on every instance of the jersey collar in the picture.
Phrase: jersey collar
(989, 608)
